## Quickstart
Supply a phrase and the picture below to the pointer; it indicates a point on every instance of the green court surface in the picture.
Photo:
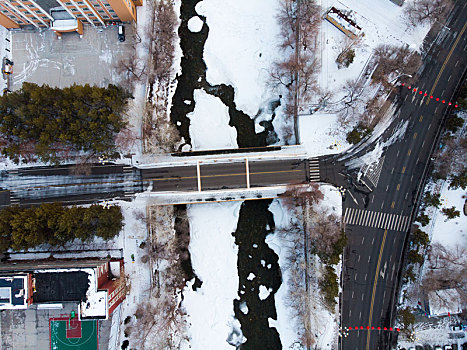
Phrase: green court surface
(73, 335)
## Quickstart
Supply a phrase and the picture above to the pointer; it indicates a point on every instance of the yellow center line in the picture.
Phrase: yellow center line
(150, 179)
(374, 289)
(415, 135)
(403, 170)
(409, 152)
(393, 204)
(221, 175)
(421, 118)
(398, 187)
(446, 61)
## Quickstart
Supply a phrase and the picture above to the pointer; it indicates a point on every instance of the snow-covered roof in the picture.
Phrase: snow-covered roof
(444, 302)
(343, 21)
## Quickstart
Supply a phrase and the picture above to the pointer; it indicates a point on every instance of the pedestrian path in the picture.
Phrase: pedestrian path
(376, 219)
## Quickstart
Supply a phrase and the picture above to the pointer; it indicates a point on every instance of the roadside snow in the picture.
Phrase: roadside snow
(214, 258)
(209, 123)
(318, 136)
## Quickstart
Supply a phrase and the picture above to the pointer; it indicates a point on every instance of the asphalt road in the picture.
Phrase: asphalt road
(378, 209)
(214, 176)
(52, 184)
(29, 186)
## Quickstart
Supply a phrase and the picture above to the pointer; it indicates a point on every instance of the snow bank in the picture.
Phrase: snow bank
(214, 258)
(209, 123)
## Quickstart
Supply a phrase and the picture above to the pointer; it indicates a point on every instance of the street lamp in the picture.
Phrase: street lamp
(401, 75)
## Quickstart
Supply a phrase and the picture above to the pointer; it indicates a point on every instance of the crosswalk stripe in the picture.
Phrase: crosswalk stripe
(367, 218)
(376, 219)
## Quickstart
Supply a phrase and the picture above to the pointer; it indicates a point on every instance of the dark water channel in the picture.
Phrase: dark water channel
(255, 219)
(193, 76)
(255, 256)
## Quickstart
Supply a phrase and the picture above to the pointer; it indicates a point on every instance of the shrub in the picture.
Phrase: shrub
(451, 213)
(357, 133)
(423, 219)
(329, 286)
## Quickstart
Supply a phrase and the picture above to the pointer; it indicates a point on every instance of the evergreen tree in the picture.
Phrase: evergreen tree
(451, 213)
(50, 122)
(54, 224)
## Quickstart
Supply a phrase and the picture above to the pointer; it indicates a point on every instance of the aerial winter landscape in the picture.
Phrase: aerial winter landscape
(232, 174)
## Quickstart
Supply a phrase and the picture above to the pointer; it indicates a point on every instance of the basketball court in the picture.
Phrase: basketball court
(68, 333)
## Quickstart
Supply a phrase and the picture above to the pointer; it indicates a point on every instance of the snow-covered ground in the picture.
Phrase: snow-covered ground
(209, 123)
(324, 324)
(213, 251)
(450, 232)
(382, 22)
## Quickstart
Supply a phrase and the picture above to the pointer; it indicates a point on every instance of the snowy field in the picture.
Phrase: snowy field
(450, 232)
(213, 253)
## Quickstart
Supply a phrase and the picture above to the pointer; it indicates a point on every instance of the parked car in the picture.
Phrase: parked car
(456, 327)
(7, 66)
(121, 33)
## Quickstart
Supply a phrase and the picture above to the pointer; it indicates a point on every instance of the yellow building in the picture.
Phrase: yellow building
(43, 13)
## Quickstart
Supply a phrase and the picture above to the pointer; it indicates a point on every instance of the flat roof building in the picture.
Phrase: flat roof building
(96, 286)
(39, 13)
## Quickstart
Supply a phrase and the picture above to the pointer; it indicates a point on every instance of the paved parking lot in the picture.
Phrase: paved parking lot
(42, 58)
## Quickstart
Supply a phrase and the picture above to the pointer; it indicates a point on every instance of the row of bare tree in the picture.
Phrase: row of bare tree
(156, 69)
(299, 28)
(159, 322)
(314, 232)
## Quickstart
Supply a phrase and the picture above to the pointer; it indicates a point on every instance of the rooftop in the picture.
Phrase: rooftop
(60, 286)
(13, 292)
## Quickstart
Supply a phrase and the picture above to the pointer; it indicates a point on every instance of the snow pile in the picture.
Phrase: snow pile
(95, 304)
(195, 24)
(209, 123)
(214, 258)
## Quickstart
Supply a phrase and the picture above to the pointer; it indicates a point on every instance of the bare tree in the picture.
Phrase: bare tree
(420, 11)
(82, 166)
(299, 23)
(390, 60)
(131, 67)
(126, 139)
(449, 159)
(446, 268)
